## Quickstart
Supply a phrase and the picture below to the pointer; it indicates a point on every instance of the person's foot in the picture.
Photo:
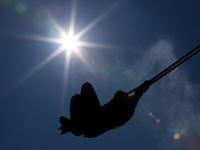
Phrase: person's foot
(63, 129)
(65, 122)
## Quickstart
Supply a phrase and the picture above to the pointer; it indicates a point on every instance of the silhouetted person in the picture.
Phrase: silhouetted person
(89, 118)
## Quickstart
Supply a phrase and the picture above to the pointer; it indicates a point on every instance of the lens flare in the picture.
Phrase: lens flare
(158, 120)
(20, 7)
(150, 114)
(169, 130)
(176, 136)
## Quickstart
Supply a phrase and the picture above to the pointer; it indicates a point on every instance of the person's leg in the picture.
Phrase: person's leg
(89, 98)
(90, 109)
(75, 107)
(65, 125)
(76, 115)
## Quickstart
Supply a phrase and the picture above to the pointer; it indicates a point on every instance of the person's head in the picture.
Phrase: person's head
(65, 122)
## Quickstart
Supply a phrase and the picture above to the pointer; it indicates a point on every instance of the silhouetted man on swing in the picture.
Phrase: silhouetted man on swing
(89, 118)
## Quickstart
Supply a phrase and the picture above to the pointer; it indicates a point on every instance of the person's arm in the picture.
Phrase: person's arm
(140, 90)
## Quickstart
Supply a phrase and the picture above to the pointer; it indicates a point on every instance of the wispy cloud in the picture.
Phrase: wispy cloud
(174, 96)
(177, 93)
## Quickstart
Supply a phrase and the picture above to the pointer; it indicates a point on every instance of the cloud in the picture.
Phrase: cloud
(174, 96)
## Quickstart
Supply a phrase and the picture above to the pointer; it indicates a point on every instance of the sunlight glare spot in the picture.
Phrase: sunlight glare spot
(70, 42)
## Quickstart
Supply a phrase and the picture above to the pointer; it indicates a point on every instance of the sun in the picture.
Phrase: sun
(69, 42)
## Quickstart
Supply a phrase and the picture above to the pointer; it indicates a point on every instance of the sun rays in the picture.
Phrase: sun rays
(68, 43)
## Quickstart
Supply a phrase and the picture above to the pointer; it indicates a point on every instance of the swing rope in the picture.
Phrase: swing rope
(173, 66)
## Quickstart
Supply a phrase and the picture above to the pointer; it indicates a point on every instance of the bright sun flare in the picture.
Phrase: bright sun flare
(70, 42)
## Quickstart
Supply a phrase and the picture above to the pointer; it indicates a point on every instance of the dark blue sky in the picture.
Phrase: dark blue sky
(137, 40)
